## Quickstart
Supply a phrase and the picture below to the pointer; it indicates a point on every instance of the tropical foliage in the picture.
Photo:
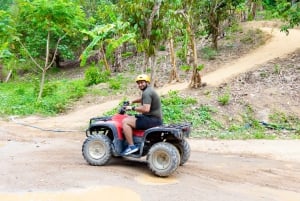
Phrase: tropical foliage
(36, 35)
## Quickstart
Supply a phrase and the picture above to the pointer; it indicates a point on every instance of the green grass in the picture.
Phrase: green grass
(224, 98)
(209, 53)
(175, 107)
(19, 98)
(16, 98)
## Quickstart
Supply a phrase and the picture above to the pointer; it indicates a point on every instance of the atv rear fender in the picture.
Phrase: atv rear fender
(175, 132)
(169, 133)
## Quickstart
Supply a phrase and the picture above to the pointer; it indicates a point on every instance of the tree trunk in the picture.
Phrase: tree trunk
(107, 67)
(1, 73)
(215, 35)
(154, 81)
(46, 67)
(196, 78)
(117, 66)
(253, 9)
(173, 74)
(47, 64)
(42, 83)
(215, 32)
(253, 6)
(214, 23)
(8, 76)
(145, 62)
(155, 10)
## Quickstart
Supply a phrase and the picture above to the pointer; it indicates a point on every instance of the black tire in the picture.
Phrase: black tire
(163, 159)
(185, 152)
(96, 150)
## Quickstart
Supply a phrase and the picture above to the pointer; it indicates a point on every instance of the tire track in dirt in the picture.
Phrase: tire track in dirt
(238, 168)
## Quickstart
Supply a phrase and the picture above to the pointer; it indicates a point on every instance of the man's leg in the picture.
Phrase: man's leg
(128, 124)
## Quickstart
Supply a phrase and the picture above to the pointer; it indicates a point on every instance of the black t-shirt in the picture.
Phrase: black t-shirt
(149, 96)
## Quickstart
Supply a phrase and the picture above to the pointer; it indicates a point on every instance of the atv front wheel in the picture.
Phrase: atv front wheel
(96, 150)
(163, 159)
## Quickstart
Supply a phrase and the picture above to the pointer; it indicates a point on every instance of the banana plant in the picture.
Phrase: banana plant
(106, 38)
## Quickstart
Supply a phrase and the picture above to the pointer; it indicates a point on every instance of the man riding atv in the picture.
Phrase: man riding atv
(165, 146)
(150, 112)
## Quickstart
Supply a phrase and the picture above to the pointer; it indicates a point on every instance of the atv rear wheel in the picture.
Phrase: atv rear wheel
(96, 150)
(185, 152)
(163, 159)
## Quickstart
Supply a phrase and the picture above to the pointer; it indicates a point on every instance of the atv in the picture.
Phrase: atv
(165, 146)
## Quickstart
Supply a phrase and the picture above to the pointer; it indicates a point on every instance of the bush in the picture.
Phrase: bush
(94, 76)
(209, 53)
(49, 89)
(114, 84)
(224, 99)
(174, 107)
(91, 76)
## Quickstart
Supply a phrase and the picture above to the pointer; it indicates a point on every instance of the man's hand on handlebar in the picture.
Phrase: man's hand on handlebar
(129, 107)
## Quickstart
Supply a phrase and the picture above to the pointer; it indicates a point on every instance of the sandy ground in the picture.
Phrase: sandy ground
(39, 165)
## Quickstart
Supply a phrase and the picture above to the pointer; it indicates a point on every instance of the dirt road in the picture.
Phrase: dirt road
(39, 165)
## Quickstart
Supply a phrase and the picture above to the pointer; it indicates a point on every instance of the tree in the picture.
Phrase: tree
(114, 41)
(214, 15)
(146, 19)
(290, 12)
(192, 22)
(42, 25)
(214, 12)
(89, 6)
(5, 4)
(172, 28)
(7, 31)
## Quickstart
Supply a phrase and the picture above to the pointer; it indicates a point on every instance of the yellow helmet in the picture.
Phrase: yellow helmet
(142, 77)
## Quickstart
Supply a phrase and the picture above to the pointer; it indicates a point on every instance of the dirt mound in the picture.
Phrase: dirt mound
(275, 86)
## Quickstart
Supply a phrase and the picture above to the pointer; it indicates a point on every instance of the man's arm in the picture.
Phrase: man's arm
(138, 100)
(143, 108)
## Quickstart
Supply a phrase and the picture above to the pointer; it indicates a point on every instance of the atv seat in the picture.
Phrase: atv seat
(138, 133)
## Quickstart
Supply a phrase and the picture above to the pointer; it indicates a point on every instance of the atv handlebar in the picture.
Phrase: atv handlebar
(122, 109)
